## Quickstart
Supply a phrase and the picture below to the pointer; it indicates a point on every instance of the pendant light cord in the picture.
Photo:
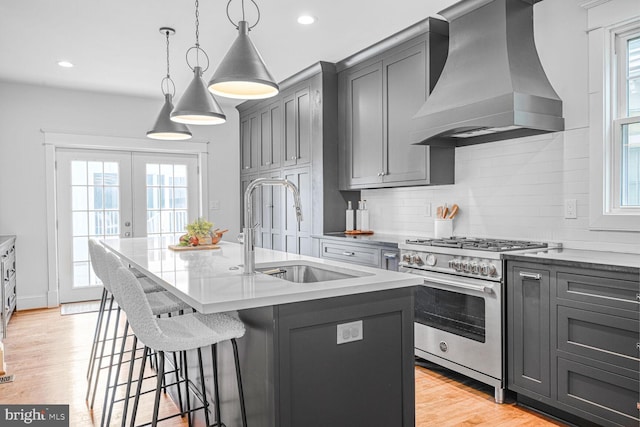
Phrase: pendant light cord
(243, 15)
(197, 45)
(164, 84)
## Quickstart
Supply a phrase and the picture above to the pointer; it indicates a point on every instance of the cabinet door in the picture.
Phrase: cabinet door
(297, 128)
(405, 77)
(297, 237)
(364, 131)
(270, 213)
(528, 309)
(270, 136)
(250, 134)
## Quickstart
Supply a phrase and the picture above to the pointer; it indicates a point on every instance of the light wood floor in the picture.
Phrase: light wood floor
(48, 354)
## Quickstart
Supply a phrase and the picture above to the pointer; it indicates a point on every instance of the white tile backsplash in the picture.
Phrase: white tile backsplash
(509, 189)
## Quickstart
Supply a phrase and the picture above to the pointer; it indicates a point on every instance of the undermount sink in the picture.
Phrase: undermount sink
(302, 273)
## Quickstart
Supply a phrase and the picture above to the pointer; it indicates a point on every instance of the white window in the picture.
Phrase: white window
(615, 127)
(625, 168)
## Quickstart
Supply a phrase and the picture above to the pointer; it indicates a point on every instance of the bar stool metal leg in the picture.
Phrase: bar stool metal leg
(129, 380)
(136, 400)
(214, 360)
(243, 410)
(117, 375)
(99, 358)
(205, 404)
(96, 334)
(160, 377)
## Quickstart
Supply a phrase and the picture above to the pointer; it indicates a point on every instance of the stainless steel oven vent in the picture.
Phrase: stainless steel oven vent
(493, 86)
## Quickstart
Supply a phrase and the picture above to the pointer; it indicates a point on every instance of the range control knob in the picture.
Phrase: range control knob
(484, 269)
(474, 268)
(406, 258)
(492, 270)
(431, 260)
(457, 266)
(417, 260)
(466, 267)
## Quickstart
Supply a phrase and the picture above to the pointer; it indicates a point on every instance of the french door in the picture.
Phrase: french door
(101, 194)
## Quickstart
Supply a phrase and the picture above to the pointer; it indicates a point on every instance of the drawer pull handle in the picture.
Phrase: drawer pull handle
(345, 253)
(390, 256)
(534, 276)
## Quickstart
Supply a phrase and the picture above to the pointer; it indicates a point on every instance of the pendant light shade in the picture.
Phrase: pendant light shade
(197, 106)
(242, 74)
(165, 128)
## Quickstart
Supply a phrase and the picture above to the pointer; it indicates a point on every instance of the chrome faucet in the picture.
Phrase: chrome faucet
(248, 230)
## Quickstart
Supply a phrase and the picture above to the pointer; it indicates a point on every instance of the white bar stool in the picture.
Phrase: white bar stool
(179, 334)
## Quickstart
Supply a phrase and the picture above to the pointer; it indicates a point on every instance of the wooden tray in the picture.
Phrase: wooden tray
(357, 232)
(193, 248)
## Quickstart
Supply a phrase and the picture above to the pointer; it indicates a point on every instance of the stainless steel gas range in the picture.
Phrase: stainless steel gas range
(459, 314)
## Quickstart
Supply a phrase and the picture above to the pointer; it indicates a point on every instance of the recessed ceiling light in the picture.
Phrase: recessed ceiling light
(65, 64)
(306, 19)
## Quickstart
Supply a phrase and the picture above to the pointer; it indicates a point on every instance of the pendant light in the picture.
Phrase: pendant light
(197, 106)
(242, 74)
(164, 128)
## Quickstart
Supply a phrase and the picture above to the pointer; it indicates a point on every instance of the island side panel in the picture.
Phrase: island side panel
(363, 382)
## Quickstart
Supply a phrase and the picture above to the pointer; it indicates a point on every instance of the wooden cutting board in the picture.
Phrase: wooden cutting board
(357, 232)
(193, 248)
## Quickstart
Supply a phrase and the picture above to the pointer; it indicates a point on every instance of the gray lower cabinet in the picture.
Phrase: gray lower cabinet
(379, 92)
(367, 254)
(529, 315)
(295, 373)
(573, 337)
(8, 291)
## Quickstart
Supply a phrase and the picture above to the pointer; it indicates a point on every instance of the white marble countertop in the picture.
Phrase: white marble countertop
(210, 280)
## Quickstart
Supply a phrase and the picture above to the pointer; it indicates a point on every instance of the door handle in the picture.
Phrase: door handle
(127, 234)
(534, 276)
(127, 224)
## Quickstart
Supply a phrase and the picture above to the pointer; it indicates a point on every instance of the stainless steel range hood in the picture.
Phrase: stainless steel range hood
(492, 86)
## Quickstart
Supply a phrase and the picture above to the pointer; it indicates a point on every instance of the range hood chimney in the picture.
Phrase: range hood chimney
(492, 86)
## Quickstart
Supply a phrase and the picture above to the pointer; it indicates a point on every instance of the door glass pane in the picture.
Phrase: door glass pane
(95, 203)
(630, 168)
(455, 312)
(167, 200)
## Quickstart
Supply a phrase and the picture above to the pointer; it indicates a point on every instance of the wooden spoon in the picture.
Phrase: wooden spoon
(439, 212)
(454, 211)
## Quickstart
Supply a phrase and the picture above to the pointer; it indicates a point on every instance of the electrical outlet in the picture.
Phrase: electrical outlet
(571, 209)
(427, 209)
(348, 332)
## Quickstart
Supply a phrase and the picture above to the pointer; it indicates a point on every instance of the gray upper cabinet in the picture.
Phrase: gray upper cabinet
(363, 120)
(249, 137)
(297, 127)
(379, 92)
(297, 131)
(271, 136)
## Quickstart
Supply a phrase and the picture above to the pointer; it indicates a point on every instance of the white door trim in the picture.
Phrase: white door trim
(54, 140)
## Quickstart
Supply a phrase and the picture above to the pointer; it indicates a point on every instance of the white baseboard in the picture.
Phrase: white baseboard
(27, 303)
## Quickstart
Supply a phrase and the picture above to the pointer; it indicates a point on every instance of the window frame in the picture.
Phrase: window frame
(607, 118)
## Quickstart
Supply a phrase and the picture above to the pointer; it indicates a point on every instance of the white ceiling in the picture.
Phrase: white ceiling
(116, 46)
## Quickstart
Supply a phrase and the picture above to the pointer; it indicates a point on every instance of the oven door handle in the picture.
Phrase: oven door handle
(459, 285)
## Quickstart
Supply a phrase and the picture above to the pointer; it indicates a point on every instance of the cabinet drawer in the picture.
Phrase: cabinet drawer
(598, 336)
(595, 392)
(606, 291)
(351, 253)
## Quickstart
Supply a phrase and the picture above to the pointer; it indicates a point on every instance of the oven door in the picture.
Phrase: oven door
(459, 319)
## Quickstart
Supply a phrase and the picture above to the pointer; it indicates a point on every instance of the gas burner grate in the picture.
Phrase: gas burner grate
(480, 244)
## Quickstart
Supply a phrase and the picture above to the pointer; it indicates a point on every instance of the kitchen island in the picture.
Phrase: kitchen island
(333, 352)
